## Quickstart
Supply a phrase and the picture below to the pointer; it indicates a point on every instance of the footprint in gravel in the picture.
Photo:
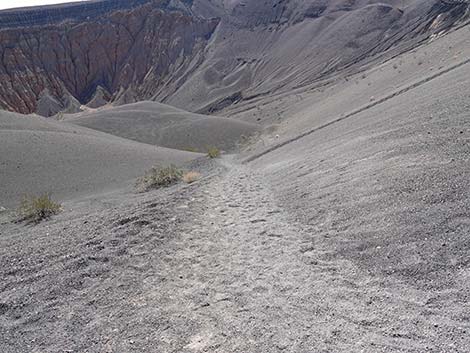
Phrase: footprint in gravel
(99, 248)
(122, 251)
(4, 308)
(103, 259)
(126, 220)
(200, 342)
(93, 242)
(142, 223)
(260, 220)
(78, 264)
(154, 205)
(260, 289)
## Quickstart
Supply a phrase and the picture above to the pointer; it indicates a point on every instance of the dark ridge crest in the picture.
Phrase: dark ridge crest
(75, 11)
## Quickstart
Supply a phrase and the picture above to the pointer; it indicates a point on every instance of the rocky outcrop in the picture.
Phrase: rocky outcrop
(148, 47)
(100, 98)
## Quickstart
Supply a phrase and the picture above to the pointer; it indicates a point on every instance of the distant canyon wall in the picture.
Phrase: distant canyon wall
(200, 55)
(129, 54)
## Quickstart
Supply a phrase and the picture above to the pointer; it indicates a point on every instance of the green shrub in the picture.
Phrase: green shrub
(213, 152)
(37, 208)
(158, 177)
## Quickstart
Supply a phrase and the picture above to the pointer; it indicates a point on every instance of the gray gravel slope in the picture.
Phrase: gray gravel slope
(166, 126)
(43, 156)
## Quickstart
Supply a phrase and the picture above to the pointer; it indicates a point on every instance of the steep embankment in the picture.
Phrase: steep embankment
(268, 47)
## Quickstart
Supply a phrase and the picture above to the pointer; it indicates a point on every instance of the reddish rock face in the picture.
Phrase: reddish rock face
(145, 49)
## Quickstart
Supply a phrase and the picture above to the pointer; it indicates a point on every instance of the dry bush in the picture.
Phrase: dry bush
(158, 177)
(191, 177)
(213, 152)
(37, 208)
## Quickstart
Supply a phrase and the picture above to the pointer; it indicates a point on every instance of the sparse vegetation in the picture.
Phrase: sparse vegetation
(213, 152)
(37, 208)
(191, 177)
(159, 177)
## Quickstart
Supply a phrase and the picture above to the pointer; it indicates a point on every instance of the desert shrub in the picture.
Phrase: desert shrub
(191, 177)
(159, 177)
(37, 208)
(213, 152)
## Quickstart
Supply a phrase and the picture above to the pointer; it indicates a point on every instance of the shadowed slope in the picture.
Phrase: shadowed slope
(267, 47)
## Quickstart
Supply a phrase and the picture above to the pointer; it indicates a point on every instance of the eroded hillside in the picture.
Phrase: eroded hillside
(199, 55)
(129, 54)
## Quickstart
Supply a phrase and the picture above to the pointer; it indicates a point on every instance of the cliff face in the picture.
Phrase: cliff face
(143, 50)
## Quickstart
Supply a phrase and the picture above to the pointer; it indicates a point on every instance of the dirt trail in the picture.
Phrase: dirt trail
(244, 260)
(250, 279)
